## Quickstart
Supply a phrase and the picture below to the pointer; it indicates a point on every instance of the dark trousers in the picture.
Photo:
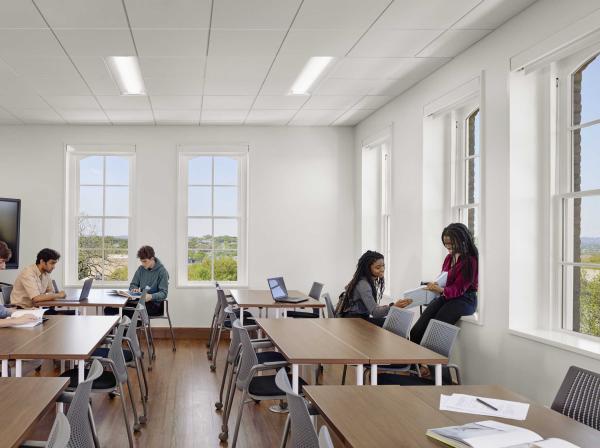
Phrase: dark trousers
(153, 308)
(374, 320)
(448, 311)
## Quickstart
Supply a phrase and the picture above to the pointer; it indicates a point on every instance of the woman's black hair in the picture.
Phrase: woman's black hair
(462, 244)
(363, 270)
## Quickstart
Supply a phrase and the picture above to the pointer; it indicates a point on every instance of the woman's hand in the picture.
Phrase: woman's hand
(433, 286)
(403, 303)
(136, 290)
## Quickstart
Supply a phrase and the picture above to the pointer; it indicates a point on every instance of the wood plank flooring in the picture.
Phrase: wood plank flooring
(181, 407)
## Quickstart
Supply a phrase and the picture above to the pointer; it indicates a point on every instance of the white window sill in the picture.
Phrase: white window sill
(210, 285)
(582, 345)
(474, 319)
(98, 285)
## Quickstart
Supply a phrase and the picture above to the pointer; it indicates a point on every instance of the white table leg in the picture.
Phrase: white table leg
(60, 407)
(18, 368)
(85, 310)
(295, 378)
(120, 311)
(81, 363)
(5, 368)
(359, 374)
(241, 316)
(438, 374)
(62, 365)
(373, 374)
(276, 313)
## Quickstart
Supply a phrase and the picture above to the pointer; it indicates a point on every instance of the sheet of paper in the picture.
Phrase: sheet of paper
(468, 404)
(37, 312)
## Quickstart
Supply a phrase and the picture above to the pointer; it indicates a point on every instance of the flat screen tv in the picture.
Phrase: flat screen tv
(10, 220)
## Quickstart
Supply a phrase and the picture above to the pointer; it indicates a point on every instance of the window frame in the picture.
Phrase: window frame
(74, 154)
(184, 155)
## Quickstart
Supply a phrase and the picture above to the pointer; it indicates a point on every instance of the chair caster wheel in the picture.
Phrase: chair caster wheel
(112, 395)
(149, 368)
(137, 427)
(219, 406)
(153, 356)
(223, 436)
(213, 368)
(174, 349)
(209, 357)
(143, 420)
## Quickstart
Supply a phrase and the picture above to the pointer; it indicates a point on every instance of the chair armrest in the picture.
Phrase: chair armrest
(456, 372)
(66, 397)
(33, 444)
(251, 327)
(262, 344)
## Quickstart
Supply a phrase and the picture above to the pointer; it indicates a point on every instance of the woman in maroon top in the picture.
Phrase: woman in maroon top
(459, 297)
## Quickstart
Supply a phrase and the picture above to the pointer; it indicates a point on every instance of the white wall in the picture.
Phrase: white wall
(487, 353)
(301, 218)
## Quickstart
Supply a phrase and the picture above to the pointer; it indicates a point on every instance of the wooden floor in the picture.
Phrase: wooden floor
(181, 406)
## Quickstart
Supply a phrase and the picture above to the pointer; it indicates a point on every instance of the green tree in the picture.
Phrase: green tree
(589, 303)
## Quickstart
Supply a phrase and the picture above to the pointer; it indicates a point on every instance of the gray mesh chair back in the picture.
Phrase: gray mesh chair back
(330, 308)
(440, 337)
(399, 321)
(234, 345)
(579, 397)
(60, 433)
(78, 413)
(302, 429)
(6, 290)
(315, 290)
(248, 359)
(131, 333)
(115, 354)
(324, 438)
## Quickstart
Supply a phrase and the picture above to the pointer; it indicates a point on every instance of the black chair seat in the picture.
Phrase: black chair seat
(410, 380)
(264, 386)
(247, 314)
(269, 357)
(302, 314)
(247, 321)
(105, 381)
(102, 352)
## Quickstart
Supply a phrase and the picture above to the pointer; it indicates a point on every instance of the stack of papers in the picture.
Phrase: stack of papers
(37, 312)
(421, 296)
(468, 404)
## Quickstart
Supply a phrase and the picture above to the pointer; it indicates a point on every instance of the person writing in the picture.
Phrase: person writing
(152, 277)
(5, 254)
(365, 290)
(459, 297)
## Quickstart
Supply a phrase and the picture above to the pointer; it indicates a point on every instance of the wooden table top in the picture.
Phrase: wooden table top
(399, 416)
(24, 401)
(11, 338)
(382, 346)
(71, 337)
(96, 297)
(262, 298)
(302, 342)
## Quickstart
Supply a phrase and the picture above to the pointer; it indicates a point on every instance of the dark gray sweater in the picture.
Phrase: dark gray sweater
(156, 278)
(363, 302)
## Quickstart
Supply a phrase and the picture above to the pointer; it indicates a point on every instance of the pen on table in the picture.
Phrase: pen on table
(486, 404)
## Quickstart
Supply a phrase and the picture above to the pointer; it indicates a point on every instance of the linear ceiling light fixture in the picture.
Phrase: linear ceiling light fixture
(309, 74)
(126, 72)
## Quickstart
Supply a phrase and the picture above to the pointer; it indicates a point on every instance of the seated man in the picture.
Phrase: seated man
(33, 285)
(5, 254)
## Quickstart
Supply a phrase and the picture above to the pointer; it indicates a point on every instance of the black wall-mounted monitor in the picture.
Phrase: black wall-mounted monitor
(10, 222)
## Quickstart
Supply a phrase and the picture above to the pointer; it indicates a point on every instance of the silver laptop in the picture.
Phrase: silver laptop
(279, 291)
(85, 290)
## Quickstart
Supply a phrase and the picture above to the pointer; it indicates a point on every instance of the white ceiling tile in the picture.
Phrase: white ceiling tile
(232, 84)
(29, 44)
(171, 43)
(124, 102)
(175, 14)
(177, 85)
(331, 102)
(280, 102)
(41, 66)
(352, 117)
(491, 14)
(453, 42)
(169, 67)
(372, 102)
(8, 118)
(254, 14)
(424, 14)
(58, 86)
(86, 102)
(269, 117)
(284, 72)
(320, 42)
(11, 85)
(356, 14)
(38, 116)
(96, 74)
(393, 43)
(346, 87)
(84, 116)
(223, 116)
(396, 87)
(19, 14)
(374, 68)
(176, 102)
(130, 116)
(177, 116)
(315, 117)
(93, 42)
(83, 13)
(230, 102)
(245, 43)
(21, 101)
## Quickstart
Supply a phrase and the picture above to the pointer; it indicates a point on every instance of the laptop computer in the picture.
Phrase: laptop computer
(85, 290)
(279, 291)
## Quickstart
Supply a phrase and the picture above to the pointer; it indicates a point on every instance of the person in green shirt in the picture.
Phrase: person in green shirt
(151, 276)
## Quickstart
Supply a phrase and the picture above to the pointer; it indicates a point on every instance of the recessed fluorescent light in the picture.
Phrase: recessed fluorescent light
(126, 72)
(309, 74)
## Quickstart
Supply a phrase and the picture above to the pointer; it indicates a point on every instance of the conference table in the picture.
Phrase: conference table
(24, 402)
(399, 416)
(258, 298)
(97, 298)
(347, 342)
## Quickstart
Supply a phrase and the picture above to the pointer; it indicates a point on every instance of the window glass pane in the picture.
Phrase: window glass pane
(90, 233)
(90, 263)
(226, 234)
(583, 299)
(200, 171)
(472, 180)
(117, 201)
(90, 201)
(199, 234)
(468, 216)
(226, 201)
(115, 267)
(583, 222)
(586, 93)
(117, 170)
(473, 133)
(586, 158)
(90, 170)
(226, 171)
(116, 233)
(199, 266)
(226, 266)
(199, 201)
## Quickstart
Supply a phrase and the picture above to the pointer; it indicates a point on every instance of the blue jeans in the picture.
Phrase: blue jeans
(448, 311)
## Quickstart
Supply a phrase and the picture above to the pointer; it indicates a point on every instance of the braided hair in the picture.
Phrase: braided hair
(363, 271)
(463, 245)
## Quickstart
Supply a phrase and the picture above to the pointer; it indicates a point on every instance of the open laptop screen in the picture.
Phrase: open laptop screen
(277, 287)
